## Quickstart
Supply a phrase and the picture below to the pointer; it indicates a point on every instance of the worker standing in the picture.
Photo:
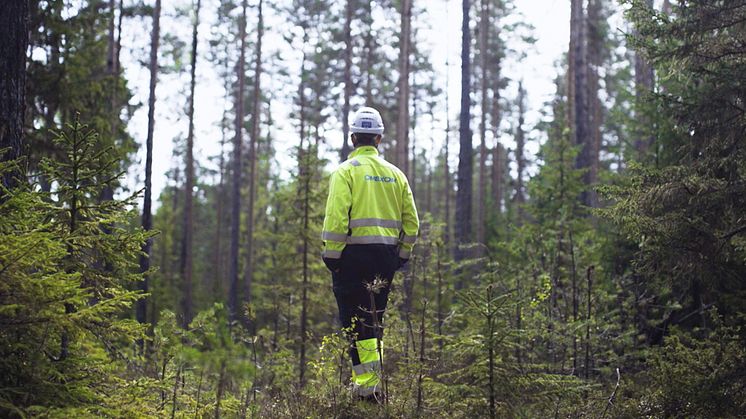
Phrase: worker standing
(370, 227)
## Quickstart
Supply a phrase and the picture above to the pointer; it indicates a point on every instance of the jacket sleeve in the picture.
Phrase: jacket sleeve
(337, 215)
(410, 223)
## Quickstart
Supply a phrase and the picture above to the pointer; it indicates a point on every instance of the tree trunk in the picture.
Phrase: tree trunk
(578, 109)
(446, 169)
(220, 281)
(175, 256)
(112, 72)
(484, 21)
(236, 185)
(589, 278)
(111, 66)
(644, 79)
(595, 47)
(255, 121)
(13, 43)
(305, 179)
(498, 152)
(402, 125)
(429, 191)
(217, 280)
(147, 216)
(187, 244)
(118, 42)
(666, 7)
(412, 175)
(498, 176)
(464, 194)
(348, 83)
(370, 46)
(306, 273)
(520, 143)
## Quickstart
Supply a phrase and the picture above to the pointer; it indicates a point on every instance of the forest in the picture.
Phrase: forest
(579, 255)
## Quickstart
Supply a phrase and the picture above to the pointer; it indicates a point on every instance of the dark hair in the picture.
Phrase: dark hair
(364, 138)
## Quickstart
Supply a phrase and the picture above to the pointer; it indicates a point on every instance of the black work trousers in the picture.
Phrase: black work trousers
(359, 265)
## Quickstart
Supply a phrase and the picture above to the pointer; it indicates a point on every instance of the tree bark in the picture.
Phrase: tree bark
(412, 165)
(370, 46)
(187, 244)
(644, 79)
(112, 72)
(498, 176)
(578, 109)
(446, 169)
(255, 121)
(595, 49)
(348, 83)
(464, 194)
(666, 7)
(520, 143)
(498, 152)
(305, 179)
(13, 44)
(589, 288)
(484, 21)
(147, 216)
(236, 185)
(402, 125)
(111, 66)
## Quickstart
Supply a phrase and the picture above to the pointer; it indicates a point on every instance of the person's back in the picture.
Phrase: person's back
(369, 203)
(369, 230)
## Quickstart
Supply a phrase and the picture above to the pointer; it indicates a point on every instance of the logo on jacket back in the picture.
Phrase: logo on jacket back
(384, 179)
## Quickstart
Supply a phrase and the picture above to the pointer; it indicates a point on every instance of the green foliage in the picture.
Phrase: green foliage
(70, 73)
(538, 325)
(66, 263)
(686, 216)
(201, 370)
(691, 377)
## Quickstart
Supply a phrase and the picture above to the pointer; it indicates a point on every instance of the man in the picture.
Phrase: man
(369, 231)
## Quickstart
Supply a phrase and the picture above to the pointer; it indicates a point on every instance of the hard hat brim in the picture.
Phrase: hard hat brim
(378, 131)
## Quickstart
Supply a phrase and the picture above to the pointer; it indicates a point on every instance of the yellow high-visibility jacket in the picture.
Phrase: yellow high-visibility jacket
(369, 202)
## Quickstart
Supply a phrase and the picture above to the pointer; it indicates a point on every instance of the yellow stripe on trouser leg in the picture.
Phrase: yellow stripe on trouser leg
(366, 375)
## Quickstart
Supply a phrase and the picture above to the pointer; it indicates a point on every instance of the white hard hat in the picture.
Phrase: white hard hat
(367, 120)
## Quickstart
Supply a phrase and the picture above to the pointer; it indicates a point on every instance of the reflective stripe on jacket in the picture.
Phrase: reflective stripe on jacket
(369, 202)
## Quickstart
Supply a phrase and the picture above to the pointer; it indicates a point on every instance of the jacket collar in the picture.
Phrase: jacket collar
(365, 150)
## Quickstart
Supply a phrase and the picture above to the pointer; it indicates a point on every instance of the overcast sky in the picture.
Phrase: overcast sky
(440, 34)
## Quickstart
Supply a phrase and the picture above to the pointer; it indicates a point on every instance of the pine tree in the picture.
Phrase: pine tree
(595, 50)
(63, 303)
(345, 151)
(578, 116)
(402, 124)
(689, 207)
(644, 79)
(464, 195)
(187, 259)
(519, 198)
(13, 44)
(147, 216)
(484, 25)
(254, 140)
(233, 293)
